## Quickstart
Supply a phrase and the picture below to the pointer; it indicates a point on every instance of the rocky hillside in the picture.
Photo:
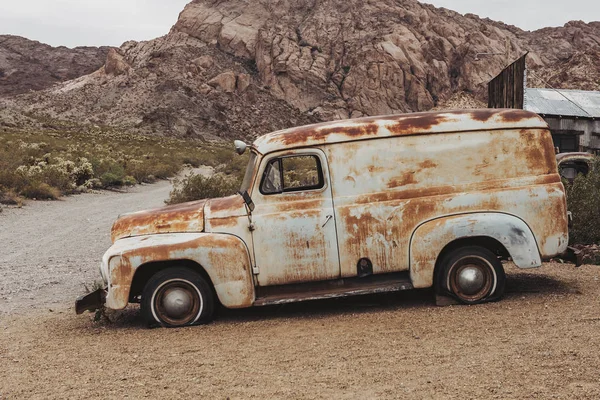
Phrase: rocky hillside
(29, 65)
(241, 68)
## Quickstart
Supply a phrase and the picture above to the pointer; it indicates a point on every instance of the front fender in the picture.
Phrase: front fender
(225, 259)
(430, 238)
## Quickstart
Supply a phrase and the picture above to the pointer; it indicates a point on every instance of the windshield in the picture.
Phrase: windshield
(249, 173)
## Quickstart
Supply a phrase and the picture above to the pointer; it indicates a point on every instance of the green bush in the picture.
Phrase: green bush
(196, 187)
(583, 200)
(111, 179)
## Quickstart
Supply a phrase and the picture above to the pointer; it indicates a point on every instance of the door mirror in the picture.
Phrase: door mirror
(240, 147)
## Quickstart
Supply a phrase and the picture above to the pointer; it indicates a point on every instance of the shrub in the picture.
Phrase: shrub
(583, 200)
(129, 181)
(196, 187)
(109, 179)
(40, 191)
(10, 198)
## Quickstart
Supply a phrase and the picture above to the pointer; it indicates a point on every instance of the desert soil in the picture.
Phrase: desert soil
(540, 341)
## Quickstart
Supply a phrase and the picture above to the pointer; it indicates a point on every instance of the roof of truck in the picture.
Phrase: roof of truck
(398, 125)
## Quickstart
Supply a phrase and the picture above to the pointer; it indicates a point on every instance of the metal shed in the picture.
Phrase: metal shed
(573, 115)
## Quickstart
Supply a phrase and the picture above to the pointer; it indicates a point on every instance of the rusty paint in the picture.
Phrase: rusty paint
(224, 257)
(427, 164)
(185, 217)
(407, 178)
(574, 156)
(226, 203)
(398, 125)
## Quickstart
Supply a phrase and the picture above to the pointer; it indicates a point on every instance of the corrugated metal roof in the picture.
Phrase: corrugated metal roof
(566, 102)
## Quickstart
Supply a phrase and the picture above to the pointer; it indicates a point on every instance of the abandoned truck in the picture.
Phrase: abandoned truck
(350, 207)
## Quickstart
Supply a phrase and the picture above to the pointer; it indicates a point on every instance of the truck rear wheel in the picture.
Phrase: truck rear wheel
(472, 275)
(177, 297)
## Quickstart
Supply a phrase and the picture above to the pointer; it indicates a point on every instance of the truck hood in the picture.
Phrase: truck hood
(185, 217)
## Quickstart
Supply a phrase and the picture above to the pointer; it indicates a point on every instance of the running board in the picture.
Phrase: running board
(283, 294)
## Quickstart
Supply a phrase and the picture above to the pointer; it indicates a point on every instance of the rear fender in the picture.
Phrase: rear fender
(225, 259)
(430, 238)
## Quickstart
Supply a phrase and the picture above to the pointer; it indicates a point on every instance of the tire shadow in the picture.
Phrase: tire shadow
(519, 285)
(524, 284)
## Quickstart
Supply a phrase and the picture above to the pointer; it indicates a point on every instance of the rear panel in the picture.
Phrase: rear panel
(383, 189)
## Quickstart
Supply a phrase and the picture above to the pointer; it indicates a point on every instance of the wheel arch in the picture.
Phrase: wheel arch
(146, 271)
(222, 260)
(504, 234)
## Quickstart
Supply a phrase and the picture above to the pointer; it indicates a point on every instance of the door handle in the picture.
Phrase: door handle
(329, 217)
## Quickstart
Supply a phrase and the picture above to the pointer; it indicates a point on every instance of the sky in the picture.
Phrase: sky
(111, 22)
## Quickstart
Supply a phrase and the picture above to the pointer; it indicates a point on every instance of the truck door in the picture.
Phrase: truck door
(294, 224)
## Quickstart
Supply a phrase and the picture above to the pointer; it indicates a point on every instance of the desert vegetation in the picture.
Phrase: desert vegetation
(46, 164)
(226, 181)
(583, 200)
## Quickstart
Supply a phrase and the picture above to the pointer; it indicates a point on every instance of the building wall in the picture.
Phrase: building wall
(571, 126)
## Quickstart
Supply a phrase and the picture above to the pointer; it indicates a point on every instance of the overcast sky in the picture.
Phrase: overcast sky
(112, 22)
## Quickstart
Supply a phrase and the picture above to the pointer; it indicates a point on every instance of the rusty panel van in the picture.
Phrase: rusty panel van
(378, 204)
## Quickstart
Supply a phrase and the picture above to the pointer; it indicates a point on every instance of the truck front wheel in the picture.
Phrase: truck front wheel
(177, 297)
(471, 274)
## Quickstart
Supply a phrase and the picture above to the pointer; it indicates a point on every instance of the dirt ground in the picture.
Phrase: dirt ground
(540, 341)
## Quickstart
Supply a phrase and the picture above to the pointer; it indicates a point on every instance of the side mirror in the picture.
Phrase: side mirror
(240, 147)
(247, 200)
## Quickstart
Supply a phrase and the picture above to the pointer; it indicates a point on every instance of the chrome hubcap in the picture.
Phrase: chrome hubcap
(471, 280)
(177, 302)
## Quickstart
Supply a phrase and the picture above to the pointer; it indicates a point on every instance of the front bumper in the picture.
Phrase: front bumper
(91, 301)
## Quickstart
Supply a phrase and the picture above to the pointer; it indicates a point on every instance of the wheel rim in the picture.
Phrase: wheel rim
(472, 279)
(177, 302)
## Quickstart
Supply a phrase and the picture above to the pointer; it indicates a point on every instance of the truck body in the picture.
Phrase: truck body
(351, 207)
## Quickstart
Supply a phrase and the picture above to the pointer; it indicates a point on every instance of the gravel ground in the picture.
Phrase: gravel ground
(540, 341)
(50, 250)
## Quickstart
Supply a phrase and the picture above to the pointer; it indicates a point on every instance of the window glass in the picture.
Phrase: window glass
(301, 172)
(293, 173)
(568, 172)
(249, 173)
(272, 178)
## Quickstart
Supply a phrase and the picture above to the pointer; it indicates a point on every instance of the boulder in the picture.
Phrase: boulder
(225, 81)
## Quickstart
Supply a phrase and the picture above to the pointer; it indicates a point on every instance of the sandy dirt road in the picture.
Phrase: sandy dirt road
(49, 250)
(540, 341)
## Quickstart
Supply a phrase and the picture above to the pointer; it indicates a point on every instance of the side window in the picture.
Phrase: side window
(271, 182)
(291, 174)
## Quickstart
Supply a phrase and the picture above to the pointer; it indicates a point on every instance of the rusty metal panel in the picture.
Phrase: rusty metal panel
(398, 125)
(507, 90)
(574, 156)
(392, 186)
(225, 258)
(294, 233)
(430, 238)
(185, 217)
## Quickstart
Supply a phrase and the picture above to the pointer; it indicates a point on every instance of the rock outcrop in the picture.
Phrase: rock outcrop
(245, 67)
(29, 65)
